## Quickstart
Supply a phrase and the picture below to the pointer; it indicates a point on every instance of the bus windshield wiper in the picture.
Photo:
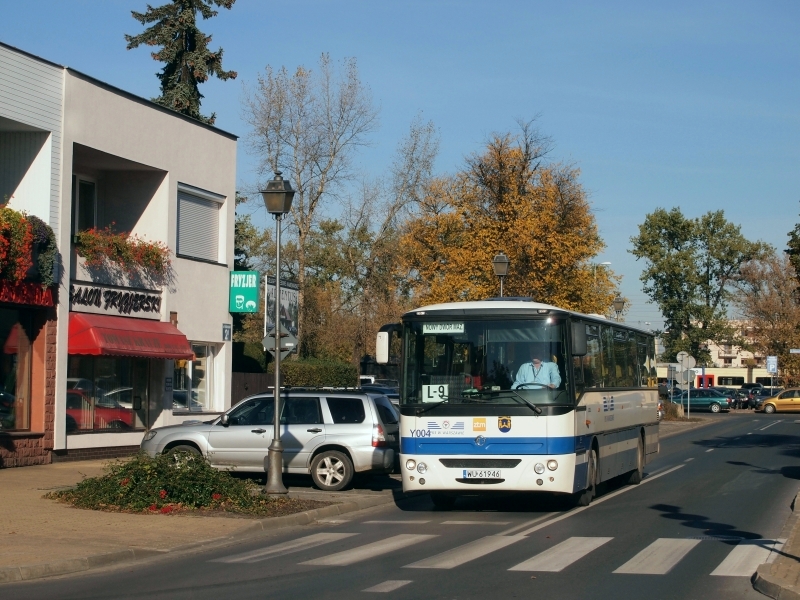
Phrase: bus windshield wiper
(533, 407)
(420, 411)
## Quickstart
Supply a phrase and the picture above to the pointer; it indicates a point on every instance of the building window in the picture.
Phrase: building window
(193, 382)
(84, 204)
(15, 370)
(106, 394)
(198, 223)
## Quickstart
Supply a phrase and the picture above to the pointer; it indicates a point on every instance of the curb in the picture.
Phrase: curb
(76, 565)
(763, 580)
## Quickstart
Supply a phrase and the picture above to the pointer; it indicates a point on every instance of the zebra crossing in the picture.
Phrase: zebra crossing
(658, 558)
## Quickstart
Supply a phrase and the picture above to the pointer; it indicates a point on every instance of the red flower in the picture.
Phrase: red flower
(125, 481)
(216, 496)
(166, 509)
(163, 494)
(153, 507)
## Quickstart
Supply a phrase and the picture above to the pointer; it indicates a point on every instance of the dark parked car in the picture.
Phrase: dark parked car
(390, 392)
(705, 399)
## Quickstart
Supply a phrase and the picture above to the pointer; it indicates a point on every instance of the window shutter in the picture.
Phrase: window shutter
(198, 227)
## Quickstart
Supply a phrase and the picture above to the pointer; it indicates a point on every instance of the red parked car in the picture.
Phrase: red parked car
(84, 414)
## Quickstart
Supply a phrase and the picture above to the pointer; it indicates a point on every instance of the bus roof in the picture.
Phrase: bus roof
(509, 307)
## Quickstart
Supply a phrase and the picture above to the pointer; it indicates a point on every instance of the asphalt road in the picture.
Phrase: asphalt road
(707, 513)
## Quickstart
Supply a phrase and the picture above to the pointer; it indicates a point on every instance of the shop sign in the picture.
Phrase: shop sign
(101, 299)
(244, 291)
(26, 292)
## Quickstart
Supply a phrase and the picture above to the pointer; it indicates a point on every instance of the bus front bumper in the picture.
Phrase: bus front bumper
(465, 474)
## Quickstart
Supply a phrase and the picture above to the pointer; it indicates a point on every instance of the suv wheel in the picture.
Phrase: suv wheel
(331, 471)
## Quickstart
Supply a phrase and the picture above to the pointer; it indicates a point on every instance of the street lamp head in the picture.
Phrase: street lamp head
(619, 304)
(500, 265)
(278, 196)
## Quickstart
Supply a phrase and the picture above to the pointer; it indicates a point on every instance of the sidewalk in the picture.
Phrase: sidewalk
(781, 578)
(43, 537)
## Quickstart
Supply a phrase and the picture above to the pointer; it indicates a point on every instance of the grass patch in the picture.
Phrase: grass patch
(172, 483)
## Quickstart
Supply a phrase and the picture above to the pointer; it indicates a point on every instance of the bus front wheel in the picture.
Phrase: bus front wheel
(585, 497)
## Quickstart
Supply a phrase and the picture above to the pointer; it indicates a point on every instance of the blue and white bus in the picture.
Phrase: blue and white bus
(470, 422)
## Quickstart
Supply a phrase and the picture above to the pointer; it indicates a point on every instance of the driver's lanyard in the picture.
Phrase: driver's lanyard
(535, 372)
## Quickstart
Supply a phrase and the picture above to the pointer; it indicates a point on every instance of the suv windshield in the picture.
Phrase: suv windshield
(519, 361)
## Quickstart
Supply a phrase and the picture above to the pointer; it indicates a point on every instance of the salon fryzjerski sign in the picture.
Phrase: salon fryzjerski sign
(101, 299)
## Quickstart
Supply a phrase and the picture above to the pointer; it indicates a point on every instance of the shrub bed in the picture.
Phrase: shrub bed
(172, 483)
(316, 373)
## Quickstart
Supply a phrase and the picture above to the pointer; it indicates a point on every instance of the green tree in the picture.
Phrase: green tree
(507, 199)
(184, 50)
(691, 266)
(793, 251)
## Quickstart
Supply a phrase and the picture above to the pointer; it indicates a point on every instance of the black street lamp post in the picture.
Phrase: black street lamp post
(500, 266)
(278, 200)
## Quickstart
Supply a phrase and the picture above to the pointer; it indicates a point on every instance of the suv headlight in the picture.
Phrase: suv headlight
(149, 435)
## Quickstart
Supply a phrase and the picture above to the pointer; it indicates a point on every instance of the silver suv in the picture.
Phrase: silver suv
(331, 434)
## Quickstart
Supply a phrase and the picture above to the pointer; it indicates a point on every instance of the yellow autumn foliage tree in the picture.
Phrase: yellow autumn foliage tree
(507, 200)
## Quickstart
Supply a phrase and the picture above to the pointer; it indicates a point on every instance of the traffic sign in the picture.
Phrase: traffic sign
(794, 351)
(288, 342)
(686, 361)
(686, 376)
(772, 365)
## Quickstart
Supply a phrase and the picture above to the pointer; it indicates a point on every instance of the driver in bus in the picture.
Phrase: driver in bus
(538, 371)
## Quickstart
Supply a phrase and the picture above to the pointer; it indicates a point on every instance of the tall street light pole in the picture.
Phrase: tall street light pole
(500, 266)
(602, 264)
(278, 200)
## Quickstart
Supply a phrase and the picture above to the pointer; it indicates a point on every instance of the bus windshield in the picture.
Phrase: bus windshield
(462, 361)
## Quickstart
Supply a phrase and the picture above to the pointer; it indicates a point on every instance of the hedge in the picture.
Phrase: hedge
(316, 373)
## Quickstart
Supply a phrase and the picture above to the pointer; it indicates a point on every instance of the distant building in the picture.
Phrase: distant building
(115, 353)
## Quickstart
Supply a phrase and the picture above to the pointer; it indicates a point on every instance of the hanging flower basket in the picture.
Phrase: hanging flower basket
(27, 248)
(129, 252)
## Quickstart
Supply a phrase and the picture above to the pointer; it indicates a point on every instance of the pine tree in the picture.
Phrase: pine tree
(184, 49)
(794, 249)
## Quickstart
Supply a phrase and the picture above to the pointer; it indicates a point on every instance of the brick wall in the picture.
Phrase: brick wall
(22, 450)
(93, 453)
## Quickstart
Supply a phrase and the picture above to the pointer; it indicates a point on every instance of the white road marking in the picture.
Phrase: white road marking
(466, 553)
(688, 460)
(575, 511)
(659, 557)
(388, 586)
(710, 450)
(303, 543)
(745, 558)
(562, 555)
(333, 520)
(527, 524)
(474, 522)
(398, 522)
(750, 433)
(771, 424)
(349, 557)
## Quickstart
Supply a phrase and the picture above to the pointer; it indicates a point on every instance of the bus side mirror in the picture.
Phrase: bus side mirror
(578, 339)
(384, 341)
(382, 348)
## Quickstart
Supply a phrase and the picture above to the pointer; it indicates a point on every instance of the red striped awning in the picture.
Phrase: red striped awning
(101, 335)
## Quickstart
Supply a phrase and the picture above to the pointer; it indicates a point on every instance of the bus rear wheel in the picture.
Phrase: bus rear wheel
(635, 477)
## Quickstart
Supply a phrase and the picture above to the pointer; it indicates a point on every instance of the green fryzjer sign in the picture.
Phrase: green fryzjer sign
(245, 289)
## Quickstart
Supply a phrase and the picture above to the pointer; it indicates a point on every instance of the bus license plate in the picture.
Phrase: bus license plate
(482, 474)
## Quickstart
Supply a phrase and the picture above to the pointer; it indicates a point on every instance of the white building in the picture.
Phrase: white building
(118, 352)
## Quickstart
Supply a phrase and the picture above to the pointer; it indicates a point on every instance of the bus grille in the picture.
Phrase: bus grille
(480, 463)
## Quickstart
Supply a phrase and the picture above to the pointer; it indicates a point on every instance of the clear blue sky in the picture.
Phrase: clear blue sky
(688, 104)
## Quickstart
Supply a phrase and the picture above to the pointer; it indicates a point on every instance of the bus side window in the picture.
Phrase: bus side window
(593, 360)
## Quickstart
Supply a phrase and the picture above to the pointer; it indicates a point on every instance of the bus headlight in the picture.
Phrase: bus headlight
(411, 464)
(552, 465)
(422, 468)
(539, 468)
